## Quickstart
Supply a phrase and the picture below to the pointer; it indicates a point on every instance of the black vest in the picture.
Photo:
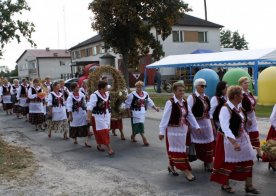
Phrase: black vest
(221, 102)
(65, 94)
(176, 113)
(6, 90)
(136, 103)
(23, 92)
(101, 106)
(198, 107)
(55, 102)
(246, 103)
(78, 104)
(235, 121)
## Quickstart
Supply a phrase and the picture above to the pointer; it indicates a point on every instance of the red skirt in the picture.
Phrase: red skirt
(254, 138)
(205, 152)
(116, 124)
(271, 135)
(178, 159)
(101, 136)
(223, 171)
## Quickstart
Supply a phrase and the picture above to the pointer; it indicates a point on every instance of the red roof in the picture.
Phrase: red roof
(44, 53)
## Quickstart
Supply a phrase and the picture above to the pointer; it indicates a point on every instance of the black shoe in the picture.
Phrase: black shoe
(174, 173)
(259, 157)
(100, 149)
(252, 190)
(271, 167)
(190, 179)
(228, 189)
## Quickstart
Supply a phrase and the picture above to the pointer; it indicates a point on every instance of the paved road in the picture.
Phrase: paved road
(136, 162)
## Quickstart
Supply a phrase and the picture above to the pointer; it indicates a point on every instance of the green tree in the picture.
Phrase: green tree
(11, 27)
(229, 39)
(125, 25)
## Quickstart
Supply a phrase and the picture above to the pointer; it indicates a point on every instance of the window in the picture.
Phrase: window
(98, 48)
(94, 50)
(83, 53)
(77, 54)
(191, 36)
(202, 37)
(177, 36)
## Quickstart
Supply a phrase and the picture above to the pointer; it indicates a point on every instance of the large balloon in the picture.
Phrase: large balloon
(232, 77)
(211, 78)
(266, 86)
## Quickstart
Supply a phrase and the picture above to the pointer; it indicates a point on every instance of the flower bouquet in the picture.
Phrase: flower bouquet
(41, 95)
(269, 148)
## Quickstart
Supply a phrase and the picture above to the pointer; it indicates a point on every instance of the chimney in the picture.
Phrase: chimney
(55, 54)
(47, 49)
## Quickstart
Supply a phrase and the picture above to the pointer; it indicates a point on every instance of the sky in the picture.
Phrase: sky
(61, 24)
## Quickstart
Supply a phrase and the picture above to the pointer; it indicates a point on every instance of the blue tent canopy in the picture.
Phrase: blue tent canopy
(242, 59)
(201, 51)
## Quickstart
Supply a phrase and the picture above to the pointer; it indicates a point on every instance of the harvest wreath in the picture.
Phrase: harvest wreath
(118, 93)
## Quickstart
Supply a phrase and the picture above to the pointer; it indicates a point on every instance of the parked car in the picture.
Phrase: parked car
(70, 81)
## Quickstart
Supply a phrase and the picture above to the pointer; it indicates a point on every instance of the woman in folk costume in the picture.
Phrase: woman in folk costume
(217, 102)
(22, 96)
(76, 107)
(271, 136)
(249, 103)
(48, 84)
(99, 106)
(5, 93)
(203, 139)
(234, 153)
(36, 97)
(137, 103)
(14, 91)
(57, 112)
(84, 90)
(174, 125)
(64, 90)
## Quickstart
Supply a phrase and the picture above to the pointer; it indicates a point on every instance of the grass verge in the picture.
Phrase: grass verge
(15, 160)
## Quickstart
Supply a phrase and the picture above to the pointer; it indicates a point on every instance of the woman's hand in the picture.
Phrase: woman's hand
(70, 118)
(161, 137)
(237, 147)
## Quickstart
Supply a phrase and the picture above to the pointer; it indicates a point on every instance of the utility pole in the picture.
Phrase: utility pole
(205, 8)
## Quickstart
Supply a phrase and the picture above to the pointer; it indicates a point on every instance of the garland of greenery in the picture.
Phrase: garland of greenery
(117, 92)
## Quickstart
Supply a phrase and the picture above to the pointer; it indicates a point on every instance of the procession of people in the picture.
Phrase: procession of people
(223, 130)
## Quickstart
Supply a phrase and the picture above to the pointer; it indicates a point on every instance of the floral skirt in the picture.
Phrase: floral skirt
(36, 118)
(24, 110)
(270, 136)
(58, 126)
(81, 131)
(16, 109)
(7, 106)
(102, 136)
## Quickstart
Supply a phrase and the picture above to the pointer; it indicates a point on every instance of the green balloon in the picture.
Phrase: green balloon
(232, 77)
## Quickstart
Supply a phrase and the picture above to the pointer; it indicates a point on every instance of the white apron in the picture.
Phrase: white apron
(36, 107)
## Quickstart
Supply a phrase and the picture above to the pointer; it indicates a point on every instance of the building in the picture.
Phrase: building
(41, 63)
(188, 34)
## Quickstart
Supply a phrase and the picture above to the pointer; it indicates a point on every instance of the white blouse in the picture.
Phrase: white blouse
(273, 117)
(224, 118)
(214, 103)
(167, 114)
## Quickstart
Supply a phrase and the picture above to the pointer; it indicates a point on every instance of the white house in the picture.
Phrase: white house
(188, 34)
(41, 63)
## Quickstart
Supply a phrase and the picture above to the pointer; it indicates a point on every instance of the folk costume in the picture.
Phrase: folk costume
(271, 134)
(249, 103)
(138, 104)
(22, 96)
(203, 140)
(58, 121)
(99, 104)
(36, 109)
(76, 104)
(5, 93)
(229, 163)
(14, 91)
(216, 105)
(174, 125)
